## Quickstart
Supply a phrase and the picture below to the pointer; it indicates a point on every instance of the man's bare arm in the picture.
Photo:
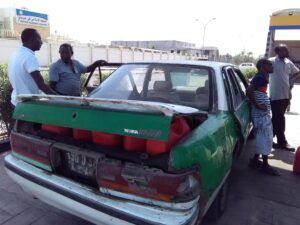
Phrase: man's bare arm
(93, 66)
(39, 80)
(52, 84)
(294, 77)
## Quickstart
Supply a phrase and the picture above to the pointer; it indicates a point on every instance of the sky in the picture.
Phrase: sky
(239, 24)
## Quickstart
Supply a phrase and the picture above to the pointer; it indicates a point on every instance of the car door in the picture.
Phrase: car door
(239, 104)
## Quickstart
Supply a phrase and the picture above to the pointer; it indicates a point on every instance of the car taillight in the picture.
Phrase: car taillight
(32, 150)
(147, 182)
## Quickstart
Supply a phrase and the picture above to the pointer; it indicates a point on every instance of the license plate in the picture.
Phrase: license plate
(81, 164)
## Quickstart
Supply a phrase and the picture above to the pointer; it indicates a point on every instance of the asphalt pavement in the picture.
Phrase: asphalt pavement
(254, 198)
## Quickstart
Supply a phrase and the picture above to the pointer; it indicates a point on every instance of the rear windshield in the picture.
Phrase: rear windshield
(181, 85)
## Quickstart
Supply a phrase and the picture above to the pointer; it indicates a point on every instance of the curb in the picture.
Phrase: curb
(4, 145)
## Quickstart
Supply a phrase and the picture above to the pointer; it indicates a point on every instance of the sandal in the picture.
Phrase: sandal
(270, 171)
(255, 164)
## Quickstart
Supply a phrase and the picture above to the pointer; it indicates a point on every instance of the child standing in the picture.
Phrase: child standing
(261, 117)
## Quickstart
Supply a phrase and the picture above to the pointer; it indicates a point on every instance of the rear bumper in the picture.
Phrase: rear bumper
(87, 203)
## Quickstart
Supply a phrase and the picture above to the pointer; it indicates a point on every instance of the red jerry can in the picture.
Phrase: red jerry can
(296, 168)
(134, 144)
(178, 129)
(56, 129)
(79, 134)
(106, 139)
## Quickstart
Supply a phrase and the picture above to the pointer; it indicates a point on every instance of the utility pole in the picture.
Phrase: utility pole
(204, 29)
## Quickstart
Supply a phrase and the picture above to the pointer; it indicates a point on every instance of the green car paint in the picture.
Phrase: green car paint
(242, 114)
(143, 125)
(210, 147)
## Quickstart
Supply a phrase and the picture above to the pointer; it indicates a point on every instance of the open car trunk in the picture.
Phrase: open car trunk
(105, 143)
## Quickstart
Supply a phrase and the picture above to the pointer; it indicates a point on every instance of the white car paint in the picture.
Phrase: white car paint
(138, 106)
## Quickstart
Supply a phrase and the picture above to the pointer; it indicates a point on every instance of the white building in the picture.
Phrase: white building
(13, 21)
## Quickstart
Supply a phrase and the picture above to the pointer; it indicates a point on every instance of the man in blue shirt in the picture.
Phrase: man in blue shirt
(64, 74)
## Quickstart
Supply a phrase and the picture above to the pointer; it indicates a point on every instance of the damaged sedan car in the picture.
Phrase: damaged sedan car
(153, 144)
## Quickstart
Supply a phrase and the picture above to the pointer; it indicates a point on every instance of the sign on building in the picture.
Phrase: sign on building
(31, 18)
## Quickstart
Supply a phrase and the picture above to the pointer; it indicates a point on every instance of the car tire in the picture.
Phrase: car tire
(218, 206)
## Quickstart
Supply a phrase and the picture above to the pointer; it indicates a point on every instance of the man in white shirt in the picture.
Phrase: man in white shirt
(23, 67)
(280, 93)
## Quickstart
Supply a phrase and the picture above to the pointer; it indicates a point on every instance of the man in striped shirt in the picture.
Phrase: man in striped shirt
(261, 117)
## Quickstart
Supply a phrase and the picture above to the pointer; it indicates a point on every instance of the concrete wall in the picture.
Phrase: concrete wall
(87, 54)
(166, 45)
(7, 47)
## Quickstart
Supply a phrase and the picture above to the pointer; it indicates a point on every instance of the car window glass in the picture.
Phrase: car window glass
(235, 90)
(138, 76)
(241, 84)
(157, 74)
(125, 83)
(175, 84)
(189, 79)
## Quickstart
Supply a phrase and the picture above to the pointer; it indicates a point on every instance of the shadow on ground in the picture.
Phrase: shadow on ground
(259, 199)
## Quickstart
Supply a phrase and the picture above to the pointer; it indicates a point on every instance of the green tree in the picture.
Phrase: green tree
(226, 58)
(249, 72)
(243, 57)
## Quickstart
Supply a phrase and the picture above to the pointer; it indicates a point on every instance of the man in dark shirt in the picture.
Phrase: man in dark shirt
(64, 74)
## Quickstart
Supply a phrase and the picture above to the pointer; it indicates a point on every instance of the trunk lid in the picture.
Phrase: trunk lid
(148, 120)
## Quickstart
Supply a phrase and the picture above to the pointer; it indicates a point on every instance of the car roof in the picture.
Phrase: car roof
(186, 62)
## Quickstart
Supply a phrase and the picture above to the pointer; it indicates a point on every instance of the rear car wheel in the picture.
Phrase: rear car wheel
(218, 206)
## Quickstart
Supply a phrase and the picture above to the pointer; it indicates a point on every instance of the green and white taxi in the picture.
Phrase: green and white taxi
(153, 144)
